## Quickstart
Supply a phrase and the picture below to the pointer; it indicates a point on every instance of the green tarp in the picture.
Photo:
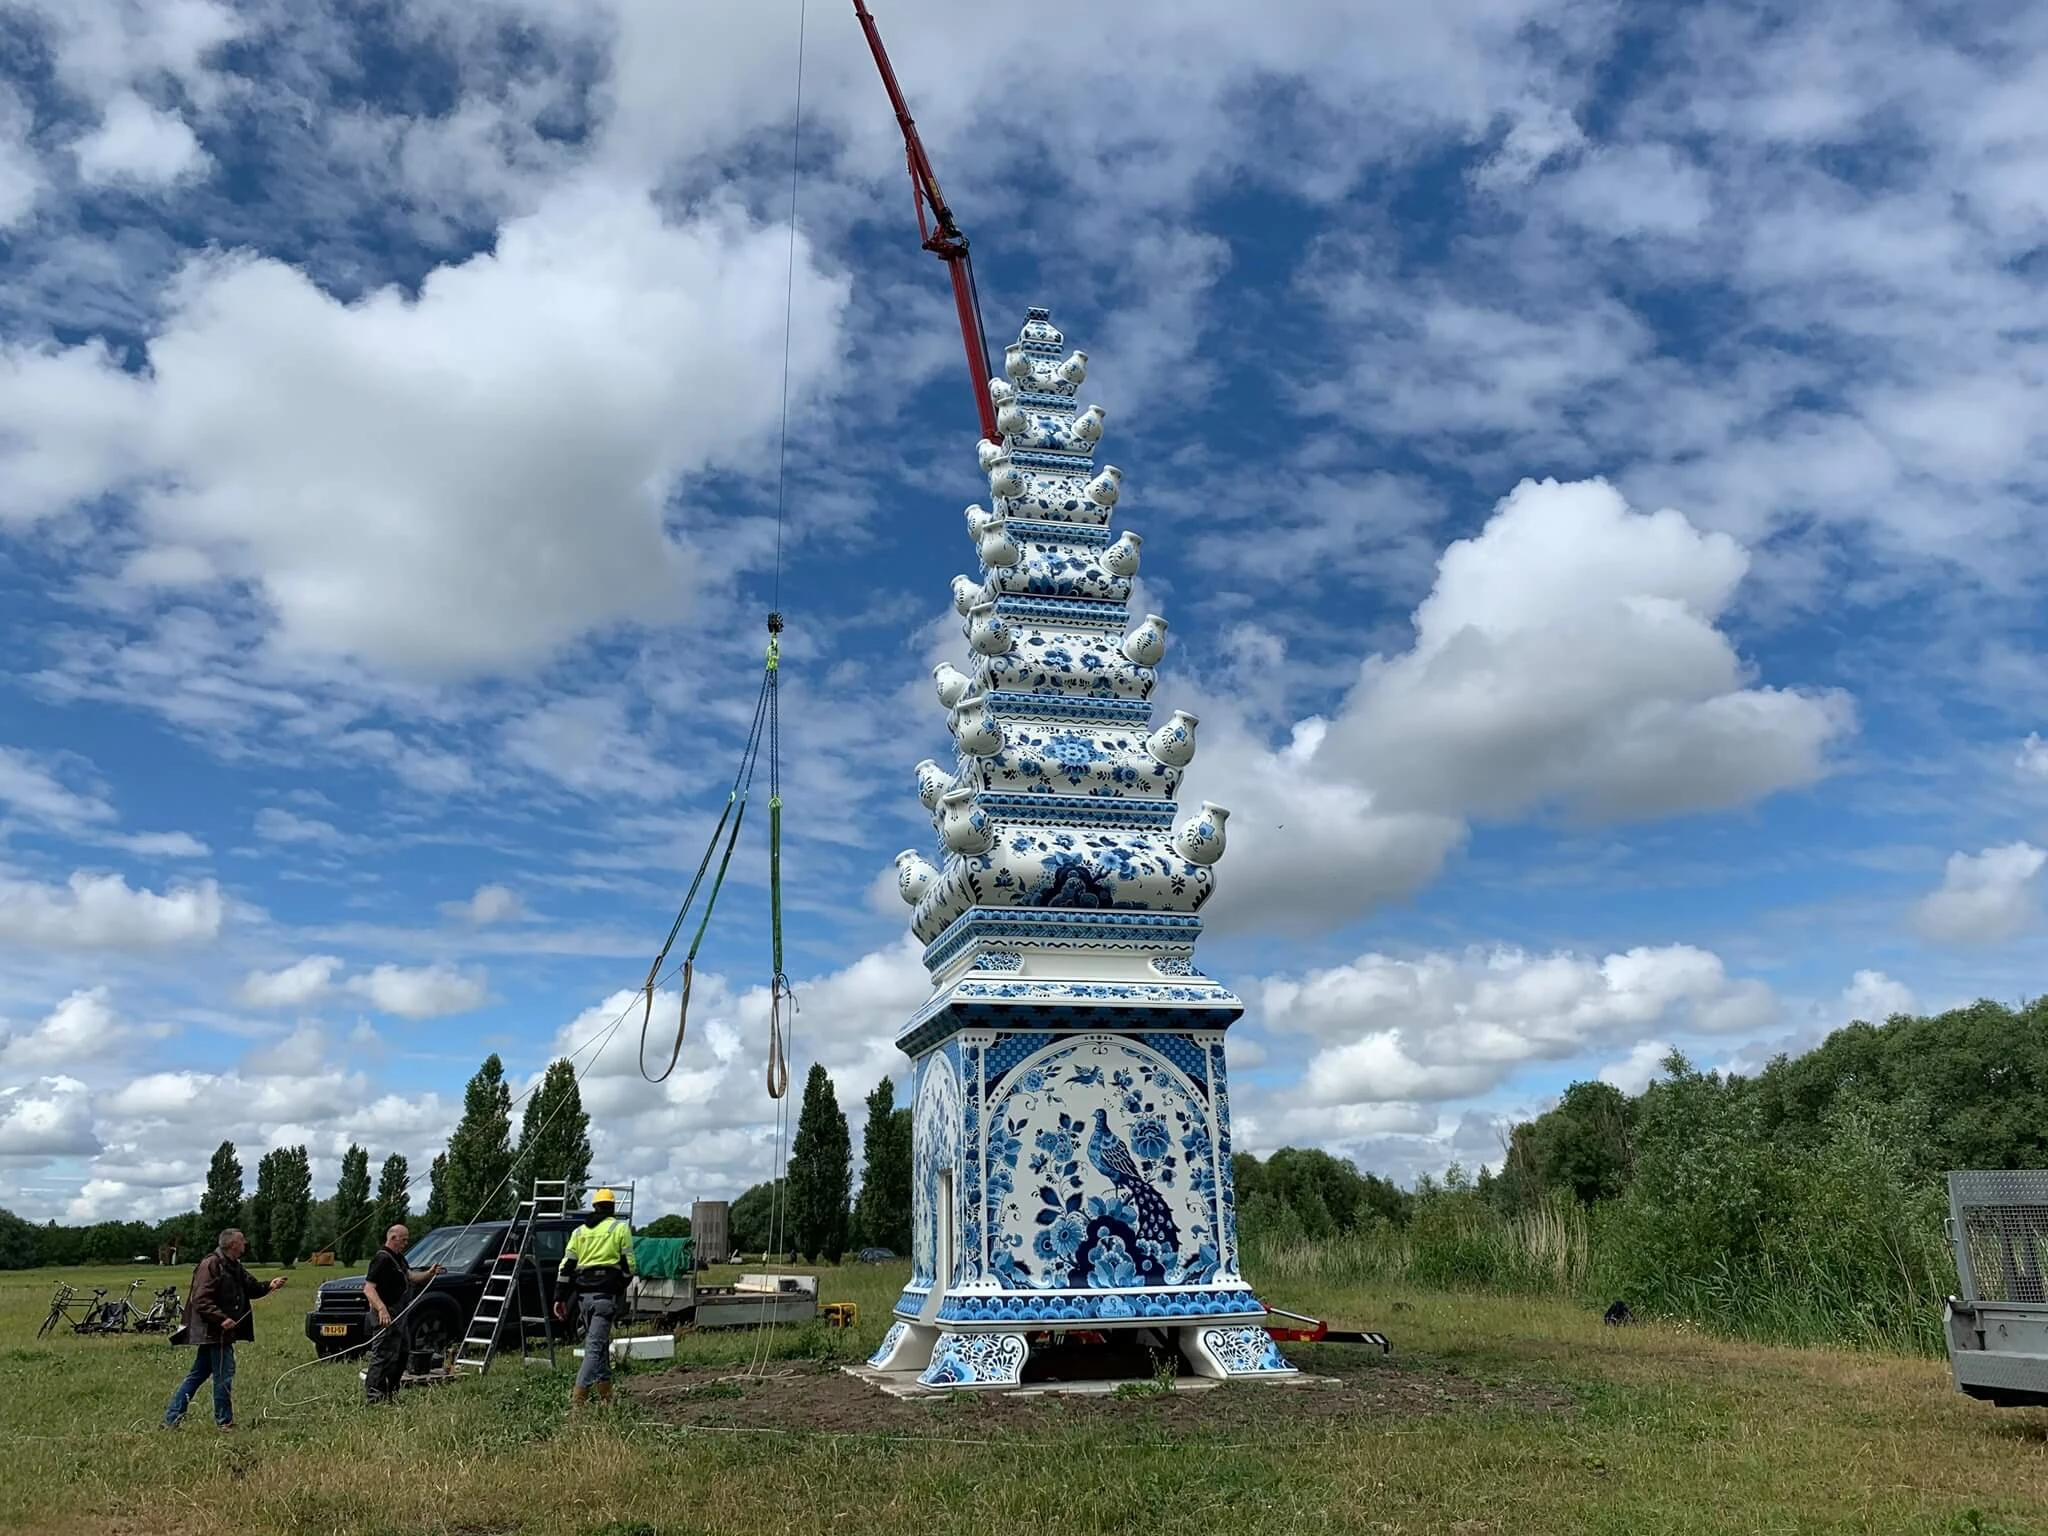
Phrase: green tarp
(662, 1258)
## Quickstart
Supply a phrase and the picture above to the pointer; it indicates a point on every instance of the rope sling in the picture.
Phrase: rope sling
(767, 725)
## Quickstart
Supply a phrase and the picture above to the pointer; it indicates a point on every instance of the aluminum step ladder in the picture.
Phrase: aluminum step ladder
(499, 1305)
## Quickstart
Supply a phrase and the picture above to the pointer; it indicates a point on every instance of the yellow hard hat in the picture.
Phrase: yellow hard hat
(604, 1197)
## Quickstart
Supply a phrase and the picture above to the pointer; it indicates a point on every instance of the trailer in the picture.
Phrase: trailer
(1997, 1326)
(751, 1301)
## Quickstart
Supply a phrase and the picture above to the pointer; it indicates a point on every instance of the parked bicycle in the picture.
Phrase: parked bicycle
(122, 1314)
(105, 1316)
(163, 1314)
(60, 1309)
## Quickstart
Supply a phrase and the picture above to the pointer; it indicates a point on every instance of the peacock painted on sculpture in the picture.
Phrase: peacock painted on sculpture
(1112, 1159)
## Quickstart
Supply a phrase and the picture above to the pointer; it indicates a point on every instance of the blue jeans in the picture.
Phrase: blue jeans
(597, 1340)
(217, 1361)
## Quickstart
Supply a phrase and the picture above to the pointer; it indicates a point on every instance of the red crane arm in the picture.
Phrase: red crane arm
(941, 234)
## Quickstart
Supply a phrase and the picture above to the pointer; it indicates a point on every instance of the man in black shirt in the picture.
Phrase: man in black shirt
(387, 1283)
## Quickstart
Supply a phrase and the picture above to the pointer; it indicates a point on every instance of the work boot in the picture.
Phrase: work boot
(578, 1396)
(604, 1391)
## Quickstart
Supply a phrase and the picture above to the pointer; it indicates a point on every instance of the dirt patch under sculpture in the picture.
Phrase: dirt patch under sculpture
(822, 1399)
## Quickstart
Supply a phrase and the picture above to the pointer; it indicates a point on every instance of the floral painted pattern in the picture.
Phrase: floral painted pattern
(1100, 1175)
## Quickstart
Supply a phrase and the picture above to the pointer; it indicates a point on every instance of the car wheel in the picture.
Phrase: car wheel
(432, 1333)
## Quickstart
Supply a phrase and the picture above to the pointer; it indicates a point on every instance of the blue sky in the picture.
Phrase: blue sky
(1591, 463)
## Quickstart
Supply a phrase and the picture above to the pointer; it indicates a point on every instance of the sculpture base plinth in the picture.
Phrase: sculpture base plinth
(946, 1358)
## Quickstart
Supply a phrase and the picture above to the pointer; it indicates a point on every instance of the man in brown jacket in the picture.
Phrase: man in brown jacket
(218, 1311)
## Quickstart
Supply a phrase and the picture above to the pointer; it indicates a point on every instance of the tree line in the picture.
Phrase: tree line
(485, 1173)
(812, 1211)
(1804, 1201)
(482, 1176)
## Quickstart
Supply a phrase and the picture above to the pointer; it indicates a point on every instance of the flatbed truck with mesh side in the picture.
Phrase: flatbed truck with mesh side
(1997, 1324)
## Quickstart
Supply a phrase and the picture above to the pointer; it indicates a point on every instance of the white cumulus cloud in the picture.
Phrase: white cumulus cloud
(1568, 656)
(450, 483)
(2032, 761)
(847, 1020)
(420, 992)
(298, 985)
(104, 912)
(48, 1117)
(490, 904)
(1393, 1030)
(1635, 1071)
(1874, 997)
(1983, 898)
(75, 1031)
(1306, 850)
(140, 144)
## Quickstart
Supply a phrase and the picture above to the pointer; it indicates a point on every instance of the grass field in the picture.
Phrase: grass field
(1492, 1416)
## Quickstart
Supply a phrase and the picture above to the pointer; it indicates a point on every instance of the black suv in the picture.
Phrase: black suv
(438, 1320)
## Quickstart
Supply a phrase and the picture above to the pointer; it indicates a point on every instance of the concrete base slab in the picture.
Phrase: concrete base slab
(906, 1384)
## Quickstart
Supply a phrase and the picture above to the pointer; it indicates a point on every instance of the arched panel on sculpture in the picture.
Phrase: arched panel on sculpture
(935, 1121)
(1101, 1172)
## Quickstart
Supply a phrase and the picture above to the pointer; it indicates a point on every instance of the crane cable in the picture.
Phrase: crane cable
(767, 707)
(768, 711)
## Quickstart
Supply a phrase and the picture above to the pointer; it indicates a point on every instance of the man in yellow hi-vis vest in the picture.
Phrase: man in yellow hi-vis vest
(594, 1272)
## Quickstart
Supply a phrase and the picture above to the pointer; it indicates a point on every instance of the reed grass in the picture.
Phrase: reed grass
(1884, 1292)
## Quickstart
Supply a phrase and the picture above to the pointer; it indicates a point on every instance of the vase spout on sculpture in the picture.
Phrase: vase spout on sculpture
(998, 550)
(932, 782)
(952, 683)
(1004, 477)
(966, 593)
(1199, 839)
(1146, 644)
(1174, 742)
(1104, 489)
(1121, 558)
(914, 876)
(978, 518)
(976, 729)
(963, 825)
(987, 631)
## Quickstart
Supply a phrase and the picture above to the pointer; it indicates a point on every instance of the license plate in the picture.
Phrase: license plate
(334, 1330)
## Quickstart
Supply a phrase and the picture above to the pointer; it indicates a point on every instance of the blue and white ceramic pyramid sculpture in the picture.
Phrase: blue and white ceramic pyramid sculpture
(1072, 1124)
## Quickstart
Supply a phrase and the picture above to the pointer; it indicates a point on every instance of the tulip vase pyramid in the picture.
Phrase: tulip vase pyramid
(1071, 1163)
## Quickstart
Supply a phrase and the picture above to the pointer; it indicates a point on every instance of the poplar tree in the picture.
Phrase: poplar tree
(221, 1207)
(352, 1208)
(256, 1215)
(291, 1204)
(394, 1198)
(881, 1216)
(475, 1185)
(436, 1214)
(554, 1134)
(820, 1172)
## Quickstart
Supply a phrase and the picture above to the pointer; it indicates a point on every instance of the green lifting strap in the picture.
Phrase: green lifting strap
(778, 984)
(730, 821)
